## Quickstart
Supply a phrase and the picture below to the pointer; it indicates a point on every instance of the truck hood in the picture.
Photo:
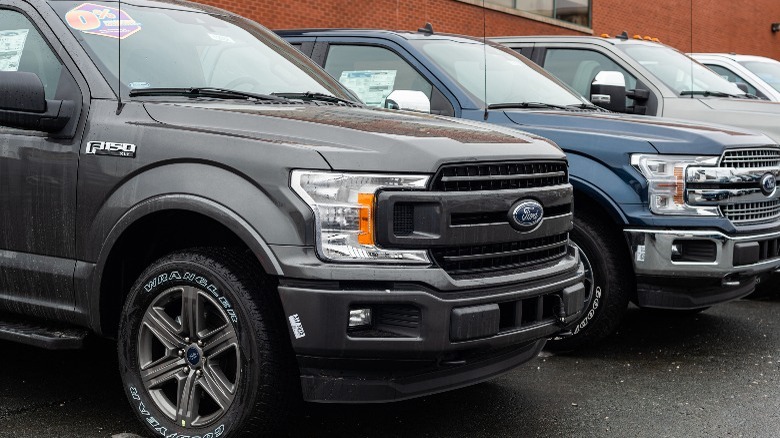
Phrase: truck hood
(742, 105)
(359, 138)
(667, 136)
(753, 115)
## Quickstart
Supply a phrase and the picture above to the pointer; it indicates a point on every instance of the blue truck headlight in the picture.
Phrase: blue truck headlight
(665, 176)
(344, 213)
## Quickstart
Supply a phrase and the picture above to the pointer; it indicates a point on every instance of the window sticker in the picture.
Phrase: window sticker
(11, 48)
(102, 20)
(222, 38)
(373, 86)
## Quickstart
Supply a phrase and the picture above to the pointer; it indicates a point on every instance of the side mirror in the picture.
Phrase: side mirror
(608, 91)
(23, 104)
(410, 100)
(742, 86)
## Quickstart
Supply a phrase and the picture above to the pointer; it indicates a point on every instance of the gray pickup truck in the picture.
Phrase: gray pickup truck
(251, 236)
(636, 76)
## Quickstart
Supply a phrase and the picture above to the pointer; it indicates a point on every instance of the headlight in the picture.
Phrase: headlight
(666, 182)
(344, 206)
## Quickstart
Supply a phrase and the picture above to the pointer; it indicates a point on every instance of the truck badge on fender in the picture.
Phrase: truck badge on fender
(110, 148)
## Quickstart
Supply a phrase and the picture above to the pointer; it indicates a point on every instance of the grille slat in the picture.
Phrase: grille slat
(500, 176)
(501, 257)
(751, 158)
(481, 256)
(752, 212)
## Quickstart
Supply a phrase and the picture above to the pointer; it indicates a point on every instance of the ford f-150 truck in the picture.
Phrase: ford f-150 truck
(184, 181)
(669, 214)
(645, 77)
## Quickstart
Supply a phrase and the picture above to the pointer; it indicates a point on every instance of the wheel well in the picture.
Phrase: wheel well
(592, 207)
(147, 240)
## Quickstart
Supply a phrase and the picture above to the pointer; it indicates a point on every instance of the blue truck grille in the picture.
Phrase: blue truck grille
(752, 212)
(751, 158)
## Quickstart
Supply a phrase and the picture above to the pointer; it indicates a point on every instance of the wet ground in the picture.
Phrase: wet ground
(716, 374)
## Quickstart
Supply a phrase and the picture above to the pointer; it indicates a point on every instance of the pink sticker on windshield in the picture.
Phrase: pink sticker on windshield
(102, 20)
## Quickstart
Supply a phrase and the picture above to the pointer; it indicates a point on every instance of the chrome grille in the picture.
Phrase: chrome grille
(460, 261)
(751, 158)
(500, 176)
(752, 212)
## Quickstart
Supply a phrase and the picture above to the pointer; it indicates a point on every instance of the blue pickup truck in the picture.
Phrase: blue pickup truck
(669, 214)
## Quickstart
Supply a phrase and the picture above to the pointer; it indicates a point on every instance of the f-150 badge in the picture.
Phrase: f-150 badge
(111, 148)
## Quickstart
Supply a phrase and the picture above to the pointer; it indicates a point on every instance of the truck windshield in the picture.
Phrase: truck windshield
(510, 77)
(185, 48)
(679, 72)
(769, 71)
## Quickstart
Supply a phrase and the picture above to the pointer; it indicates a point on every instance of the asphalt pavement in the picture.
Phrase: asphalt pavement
(715, 374)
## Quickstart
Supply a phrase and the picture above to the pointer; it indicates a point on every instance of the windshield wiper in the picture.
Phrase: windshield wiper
(526, 105)
(586, 106)
(310, 95)
(707, 93)
(194, 92)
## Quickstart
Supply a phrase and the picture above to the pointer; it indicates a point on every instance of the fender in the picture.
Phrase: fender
(245, 210)
(584, 170)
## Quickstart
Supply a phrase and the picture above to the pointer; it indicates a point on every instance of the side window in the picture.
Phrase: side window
(732, 77)
(578, 68)
(22, 48)
(373, 72)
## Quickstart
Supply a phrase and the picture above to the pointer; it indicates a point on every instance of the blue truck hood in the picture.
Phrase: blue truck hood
(574, 131)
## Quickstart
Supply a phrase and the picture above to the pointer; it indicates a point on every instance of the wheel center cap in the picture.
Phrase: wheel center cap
(194, 356)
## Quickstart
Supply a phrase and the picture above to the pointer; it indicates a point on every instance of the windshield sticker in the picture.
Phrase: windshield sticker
(138, 85)
(221, 38)
(11, 47)
(373, 86)
(102, 20)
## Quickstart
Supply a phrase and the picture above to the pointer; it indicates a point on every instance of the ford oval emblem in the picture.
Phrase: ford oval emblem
(768, 184)
(193, 356)
(526, 215)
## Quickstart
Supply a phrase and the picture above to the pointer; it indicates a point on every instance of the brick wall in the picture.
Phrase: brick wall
(446, 15)
(718, 26)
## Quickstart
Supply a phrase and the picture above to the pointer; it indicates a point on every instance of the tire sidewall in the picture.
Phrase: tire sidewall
(162, 276)
(600, 287)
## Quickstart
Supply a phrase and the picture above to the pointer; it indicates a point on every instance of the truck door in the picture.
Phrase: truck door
(37, 179)
(372, 72)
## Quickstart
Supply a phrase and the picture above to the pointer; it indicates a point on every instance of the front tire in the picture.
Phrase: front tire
(202, 351)
(609, 282)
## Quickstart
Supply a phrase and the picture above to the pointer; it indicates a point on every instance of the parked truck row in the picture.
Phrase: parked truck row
(373, 217)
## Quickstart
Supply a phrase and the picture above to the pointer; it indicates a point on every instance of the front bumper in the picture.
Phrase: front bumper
(722, 267)
(421, 340)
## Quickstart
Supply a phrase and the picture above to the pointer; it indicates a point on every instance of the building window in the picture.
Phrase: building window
(573, 11)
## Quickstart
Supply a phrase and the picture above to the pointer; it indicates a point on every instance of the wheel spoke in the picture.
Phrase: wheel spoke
(163, 328)
(191, 311)
(220, 340)
(218, 387)
(161, 371)
(189, 401)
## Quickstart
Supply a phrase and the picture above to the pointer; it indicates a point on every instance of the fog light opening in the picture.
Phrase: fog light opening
(360, 317)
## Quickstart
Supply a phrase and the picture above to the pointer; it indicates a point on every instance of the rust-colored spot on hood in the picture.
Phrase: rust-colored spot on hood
(396, 123)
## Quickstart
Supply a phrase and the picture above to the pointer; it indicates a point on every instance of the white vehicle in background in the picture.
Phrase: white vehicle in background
(761, 75)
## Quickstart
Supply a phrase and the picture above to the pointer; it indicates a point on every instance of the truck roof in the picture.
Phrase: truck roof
(404, 34)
